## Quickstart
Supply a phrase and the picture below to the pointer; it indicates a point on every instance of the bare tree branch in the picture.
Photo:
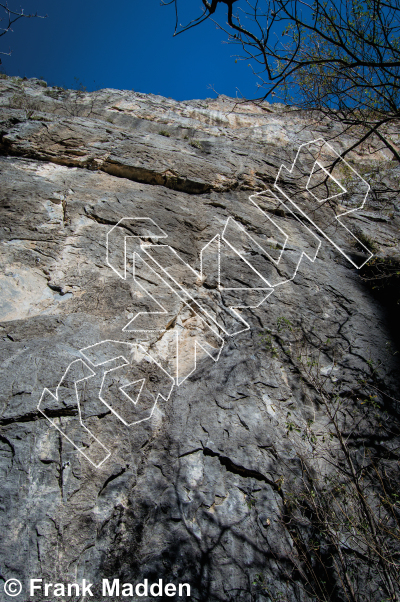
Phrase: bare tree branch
(10, 17)
(341, 57)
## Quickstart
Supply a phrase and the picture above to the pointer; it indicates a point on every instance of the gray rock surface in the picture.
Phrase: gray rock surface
(196, 493)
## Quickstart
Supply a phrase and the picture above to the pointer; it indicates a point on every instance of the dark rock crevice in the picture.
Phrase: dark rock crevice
(237, 469)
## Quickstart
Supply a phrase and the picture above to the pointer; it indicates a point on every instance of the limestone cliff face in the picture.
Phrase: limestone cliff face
(198, 491)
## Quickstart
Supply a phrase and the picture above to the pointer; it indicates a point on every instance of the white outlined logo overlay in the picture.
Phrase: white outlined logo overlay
(186, 314)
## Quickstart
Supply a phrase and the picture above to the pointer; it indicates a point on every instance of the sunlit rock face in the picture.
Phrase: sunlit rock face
(187, 457)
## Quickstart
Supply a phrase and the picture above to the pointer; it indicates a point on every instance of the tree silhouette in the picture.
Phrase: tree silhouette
(341, 57)
(9, 17)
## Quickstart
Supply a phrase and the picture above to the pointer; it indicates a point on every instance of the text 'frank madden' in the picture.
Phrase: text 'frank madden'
(109, 587)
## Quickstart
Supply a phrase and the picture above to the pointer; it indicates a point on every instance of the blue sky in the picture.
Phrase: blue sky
(127, 44)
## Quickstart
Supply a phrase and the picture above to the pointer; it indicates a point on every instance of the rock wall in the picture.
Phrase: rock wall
(196, 492)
